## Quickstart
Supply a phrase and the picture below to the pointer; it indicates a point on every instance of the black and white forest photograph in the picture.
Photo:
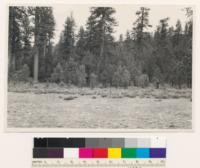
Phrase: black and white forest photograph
(110, 67)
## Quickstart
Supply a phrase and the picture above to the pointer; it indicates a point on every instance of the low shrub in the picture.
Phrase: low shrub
(57, 75)
(70, 98)
(143, 80)
(22, 74)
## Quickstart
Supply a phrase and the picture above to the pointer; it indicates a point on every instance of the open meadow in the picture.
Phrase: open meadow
(54, 106)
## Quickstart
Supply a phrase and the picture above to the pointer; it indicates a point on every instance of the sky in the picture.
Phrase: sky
(125, 16)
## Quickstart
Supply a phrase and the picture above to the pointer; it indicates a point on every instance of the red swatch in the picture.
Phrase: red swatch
(100, 153)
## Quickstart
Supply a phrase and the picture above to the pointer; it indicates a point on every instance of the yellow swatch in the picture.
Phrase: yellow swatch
(114, 152)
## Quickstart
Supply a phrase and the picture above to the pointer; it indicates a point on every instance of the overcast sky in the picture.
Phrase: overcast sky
(125, 16)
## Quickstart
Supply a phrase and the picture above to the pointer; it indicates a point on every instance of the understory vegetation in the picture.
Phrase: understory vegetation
(164, 92)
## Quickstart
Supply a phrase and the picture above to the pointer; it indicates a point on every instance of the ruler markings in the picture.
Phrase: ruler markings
(84, 163)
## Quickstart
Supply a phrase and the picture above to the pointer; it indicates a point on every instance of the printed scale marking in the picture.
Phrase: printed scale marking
(111, 163)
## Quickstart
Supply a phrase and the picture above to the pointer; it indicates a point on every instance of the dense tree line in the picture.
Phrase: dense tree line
(92, 56)
(31, 30)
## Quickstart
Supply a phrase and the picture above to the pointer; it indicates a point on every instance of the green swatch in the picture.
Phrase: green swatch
(128, 153)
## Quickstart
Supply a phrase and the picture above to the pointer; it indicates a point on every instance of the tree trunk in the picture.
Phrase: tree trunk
(44, 61)
(179, 84)
(36, 65)
(13, 64)
(9, 60)
(102, 46)
(36, 53)
(157, 85)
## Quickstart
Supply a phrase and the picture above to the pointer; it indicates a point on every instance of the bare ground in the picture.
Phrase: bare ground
(42, 109)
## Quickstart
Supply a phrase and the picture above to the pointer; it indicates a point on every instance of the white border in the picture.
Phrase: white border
(192, 3)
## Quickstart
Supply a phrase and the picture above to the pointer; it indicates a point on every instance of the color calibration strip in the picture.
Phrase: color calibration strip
(112, 148)
(99, 153)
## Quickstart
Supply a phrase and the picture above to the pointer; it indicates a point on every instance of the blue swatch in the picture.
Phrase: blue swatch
(143, 153)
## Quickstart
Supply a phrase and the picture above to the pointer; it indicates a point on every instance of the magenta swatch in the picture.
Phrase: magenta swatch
(85, 153)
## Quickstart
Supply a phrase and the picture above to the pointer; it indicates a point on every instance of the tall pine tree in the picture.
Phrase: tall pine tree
(99, 36)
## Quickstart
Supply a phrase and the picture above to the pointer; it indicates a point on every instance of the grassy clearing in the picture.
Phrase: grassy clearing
(55, 106)
(29, 110)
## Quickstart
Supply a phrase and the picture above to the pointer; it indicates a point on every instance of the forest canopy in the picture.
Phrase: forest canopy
(92, 57)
